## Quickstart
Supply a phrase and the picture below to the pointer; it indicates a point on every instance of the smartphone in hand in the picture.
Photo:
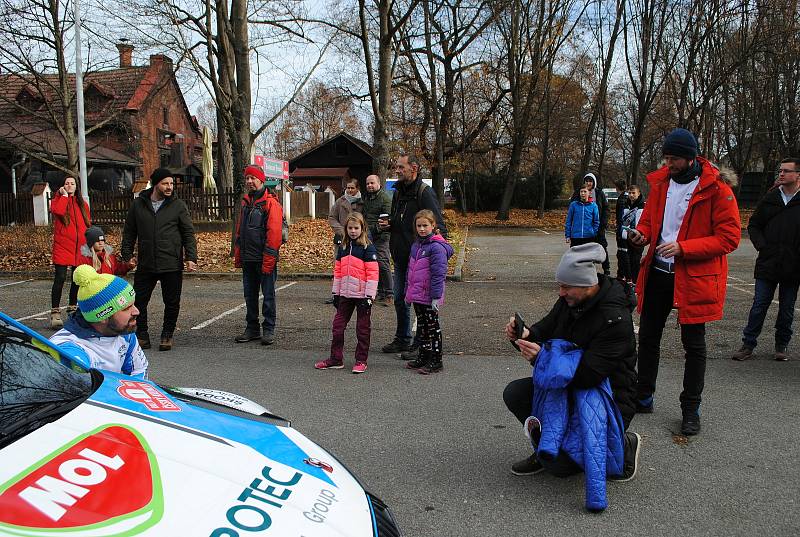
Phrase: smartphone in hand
(519, 328)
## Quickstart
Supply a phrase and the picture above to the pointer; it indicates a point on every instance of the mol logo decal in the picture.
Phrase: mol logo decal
(146, 394)
(104, 483)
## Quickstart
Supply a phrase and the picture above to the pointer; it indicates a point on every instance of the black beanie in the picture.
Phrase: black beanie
(94, 234)
(680, 143)
(159, 174)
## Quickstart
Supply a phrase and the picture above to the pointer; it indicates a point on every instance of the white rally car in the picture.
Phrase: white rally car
(90, 453)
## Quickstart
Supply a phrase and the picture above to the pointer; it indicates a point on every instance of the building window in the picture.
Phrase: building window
(166, 117)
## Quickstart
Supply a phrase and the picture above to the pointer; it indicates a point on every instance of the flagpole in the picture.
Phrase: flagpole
(79, 104)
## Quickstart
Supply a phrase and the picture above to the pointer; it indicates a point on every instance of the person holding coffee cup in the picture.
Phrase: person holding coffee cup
(377, 204)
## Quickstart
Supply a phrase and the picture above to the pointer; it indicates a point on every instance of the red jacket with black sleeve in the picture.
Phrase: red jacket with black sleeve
(258, 231)
(710, 230)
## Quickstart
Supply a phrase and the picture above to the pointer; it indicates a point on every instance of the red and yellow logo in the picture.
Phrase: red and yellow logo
(105, 483)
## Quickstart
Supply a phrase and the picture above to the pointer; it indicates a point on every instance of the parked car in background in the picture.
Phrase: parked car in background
(88, 453)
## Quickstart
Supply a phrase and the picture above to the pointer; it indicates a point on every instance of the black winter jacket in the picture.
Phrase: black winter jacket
(404, 206)
(603, 328)
(775, 232)
(164, 238)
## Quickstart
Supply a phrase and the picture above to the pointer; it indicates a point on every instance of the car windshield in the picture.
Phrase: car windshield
(35, 386)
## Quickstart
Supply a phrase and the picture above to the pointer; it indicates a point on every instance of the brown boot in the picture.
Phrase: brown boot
(166, 343)
(745, 353)
(55, 318)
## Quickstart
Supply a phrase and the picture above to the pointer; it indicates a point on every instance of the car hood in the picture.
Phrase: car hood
(132, 460)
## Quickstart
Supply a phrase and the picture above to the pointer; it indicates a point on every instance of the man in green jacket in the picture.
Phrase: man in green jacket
(377, 202)
(161, 225)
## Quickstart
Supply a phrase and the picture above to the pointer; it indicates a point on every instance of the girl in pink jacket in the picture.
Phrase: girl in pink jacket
(355, 283)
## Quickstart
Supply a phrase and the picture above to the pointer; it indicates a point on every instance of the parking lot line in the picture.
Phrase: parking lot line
(232, 310)
(16, 283)
(45, 312)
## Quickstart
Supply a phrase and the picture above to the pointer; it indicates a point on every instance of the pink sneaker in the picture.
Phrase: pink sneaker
(330, 363)
(360, 367)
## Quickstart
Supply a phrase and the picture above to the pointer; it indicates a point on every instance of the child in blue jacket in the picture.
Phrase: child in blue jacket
(583, 220)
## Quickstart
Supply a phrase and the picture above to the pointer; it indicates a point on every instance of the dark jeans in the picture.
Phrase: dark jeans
(658, 299)
(628, 260)
(363, 324)
(253, 281)
(577, 241)
(384, 267)
(403, 312)
(58, 286)
(764, 291)
(518, 397)
(602, 241)
(171, 285)
(429, 332)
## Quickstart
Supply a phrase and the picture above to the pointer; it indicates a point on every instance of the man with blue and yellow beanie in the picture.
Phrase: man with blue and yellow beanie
(102, 332)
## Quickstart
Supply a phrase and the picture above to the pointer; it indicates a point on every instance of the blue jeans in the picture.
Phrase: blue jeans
(403, 332)
(253, 281)
(764, 291)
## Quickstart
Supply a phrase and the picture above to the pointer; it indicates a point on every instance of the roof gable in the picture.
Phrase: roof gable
(361, 145)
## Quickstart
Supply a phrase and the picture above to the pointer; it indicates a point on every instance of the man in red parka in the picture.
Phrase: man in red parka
(258, 239)
(692, 222)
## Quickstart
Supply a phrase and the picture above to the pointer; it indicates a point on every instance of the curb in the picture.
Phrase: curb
(457, 273)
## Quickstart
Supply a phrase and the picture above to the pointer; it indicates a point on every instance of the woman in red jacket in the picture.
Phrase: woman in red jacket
(69, 225)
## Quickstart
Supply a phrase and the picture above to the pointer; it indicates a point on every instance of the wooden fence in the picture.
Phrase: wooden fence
(19, 210)
(111, 208)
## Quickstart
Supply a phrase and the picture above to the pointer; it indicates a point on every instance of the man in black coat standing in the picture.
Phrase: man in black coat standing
(593, 312)
(411, 196)
(774, 231)
(162, 226)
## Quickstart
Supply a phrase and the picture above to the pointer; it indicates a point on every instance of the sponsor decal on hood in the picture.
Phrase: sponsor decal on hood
(103, 483)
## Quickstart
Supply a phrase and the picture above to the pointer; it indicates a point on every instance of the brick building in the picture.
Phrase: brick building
(143, 121)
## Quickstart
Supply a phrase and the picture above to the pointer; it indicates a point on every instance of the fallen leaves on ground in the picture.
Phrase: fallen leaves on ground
(529, 218)
(309, 250)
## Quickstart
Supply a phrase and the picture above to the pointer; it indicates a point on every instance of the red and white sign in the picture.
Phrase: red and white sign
(273, 168)
(106, 477)
(146, 394)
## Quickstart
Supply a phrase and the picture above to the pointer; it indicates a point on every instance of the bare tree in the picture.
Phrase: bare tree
(37, 97)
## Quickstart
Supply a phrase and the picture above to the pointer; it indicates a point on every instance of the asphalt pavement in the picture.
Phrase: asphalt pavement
(437, 449)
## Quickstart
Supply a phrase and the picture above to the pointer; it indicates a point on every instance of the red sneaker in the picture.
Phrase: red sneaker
(360, 367)
(330, 363)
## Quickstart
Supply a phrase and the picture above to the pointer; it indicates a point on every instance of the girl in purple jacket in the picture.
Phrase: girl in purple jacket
(427, 269)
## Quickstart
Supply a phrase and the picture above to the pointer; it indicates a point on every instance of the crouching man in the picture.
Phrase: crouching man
(101, 334)
(593, 317)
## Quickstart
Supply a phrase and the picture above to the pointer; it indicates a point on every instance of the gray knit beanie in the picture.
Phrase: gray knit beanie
(577, 265)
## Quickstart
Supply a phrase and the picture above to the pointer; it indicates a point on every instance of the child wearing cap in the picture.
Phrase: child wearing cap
(100, 255)
(101, 334)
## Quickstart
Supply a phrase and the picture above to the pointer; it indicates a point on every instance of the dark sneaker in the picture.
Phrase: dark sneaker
(780, 354)
(247, 335)
(165, 344)
(267, 339)
(745, 353)
(527, 466)
(395, 347)
(412, 353)
(690, 425)
(416, 363)
(645, 406)
(633, 445)
(144, 339)
(431, 368)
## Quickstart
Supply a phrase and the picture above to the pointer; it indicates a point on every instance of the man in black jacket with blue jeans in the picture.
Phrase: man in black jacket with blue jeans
(411, 196)
(774, 231)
